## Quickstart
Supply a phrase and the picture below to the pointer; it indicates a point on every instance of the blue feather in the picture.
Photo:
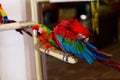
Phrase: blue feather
(98, 56)
(72, 46)
(90, 45)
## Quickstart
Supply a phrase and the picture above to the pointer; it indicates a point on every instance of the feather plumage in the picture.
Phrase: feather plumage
(68, 42)
(45, 35)
(75, 26)
(3, 15)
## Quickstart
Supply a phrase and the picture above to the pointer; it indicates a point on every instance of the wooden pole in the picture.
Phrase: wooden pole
(38, 61)
(57, 54)
(15, 25)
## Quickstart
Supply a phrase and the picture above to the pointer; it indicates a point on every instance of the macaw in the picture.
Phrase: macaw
(44, 35)
(67, 34)
(72, 37)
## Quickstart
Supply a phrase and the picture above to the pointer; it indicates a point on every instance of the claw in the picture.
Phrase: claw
(65, 56)
(47, 51)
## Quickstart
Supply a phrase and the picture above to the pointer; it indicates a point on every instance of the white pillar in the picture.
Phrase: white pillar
(14, 56)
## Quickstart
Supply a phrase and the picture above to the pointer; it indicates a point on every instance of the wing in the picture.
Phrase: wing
(78, 28)
(68, 42)
(75, 26)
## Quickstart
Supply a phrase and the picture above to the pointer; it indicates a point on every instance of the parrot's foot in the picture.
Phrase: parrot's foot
(47, 51)
(65, 56)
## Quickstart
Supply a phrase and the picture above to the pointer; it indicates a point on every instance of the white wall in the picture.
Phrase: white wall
(14, 54)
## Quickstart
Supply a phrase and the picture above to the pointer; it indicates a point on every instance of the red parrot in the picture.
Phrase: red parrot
(44, 35)
(66, 36)
(70, 36)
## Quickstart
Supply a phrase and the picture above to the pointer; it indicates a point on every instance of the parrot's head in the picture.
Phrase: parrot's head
(38, 30)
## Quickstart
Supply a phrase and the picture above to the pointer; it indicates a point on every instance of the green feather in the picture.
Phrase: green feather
(45, 28)
(77, 45)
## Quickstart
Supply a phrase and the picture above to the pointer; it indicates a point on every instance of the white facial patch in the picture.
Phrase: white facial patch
(40, 30)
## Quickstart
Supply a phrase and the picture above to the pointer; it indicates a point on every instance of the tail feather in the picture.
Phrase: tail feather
(96, 51)
(103, 58)
(90, 45)
(110, 63)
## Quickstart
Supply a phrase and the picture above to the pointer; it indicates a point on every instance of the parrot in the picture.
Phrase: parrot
(44, 35)
(68, 34)
(71, 37)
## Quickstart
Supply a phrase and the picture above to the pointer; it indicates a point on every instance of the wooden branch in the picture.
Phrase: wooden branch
(16, 25)
(59, 1)
(57, 54)
(54, 1)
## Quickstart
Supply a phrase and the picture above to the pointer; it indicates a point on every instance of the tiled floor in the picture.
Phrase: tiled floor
(59, 70)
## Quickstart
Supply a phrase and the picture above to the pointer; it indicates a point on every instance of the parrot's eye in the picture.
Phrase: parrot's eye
(38, 33)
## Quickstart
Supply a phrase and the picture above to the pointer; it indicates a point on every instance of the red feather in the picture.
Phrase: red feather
(75, 26)
(35, 27)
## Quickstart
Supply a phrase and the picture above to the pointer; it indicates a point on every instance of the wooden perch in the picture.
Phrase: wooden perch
(54, 1)
(57, 54)
(15, 25)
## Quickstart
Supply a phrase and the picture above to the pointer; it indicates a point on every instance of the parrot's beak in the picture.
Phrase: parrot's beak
(86, 40)
(82, 37)
(38, 33)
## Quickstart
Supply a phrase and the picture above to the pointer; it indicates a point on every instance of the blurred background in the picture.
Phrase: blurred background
(108, 18)
(16, 50)
(106, 38)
